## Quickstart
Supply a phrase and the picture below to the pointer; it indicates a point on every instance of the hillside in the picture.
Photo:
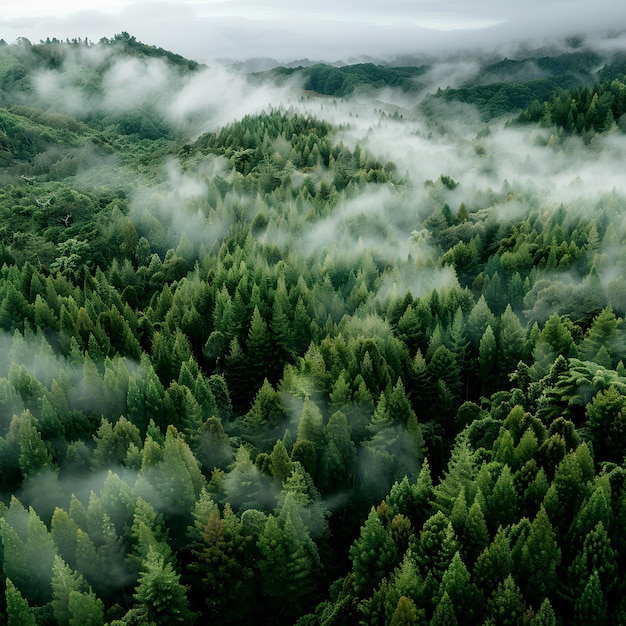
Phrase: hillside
(277, 357)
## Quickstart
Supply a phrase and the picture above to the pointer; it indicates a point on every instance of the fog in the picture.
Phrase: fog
(329, 31)
(503, 171)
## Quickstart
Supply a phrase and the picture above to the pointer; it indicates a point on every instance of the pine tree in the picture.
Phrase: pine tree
(338, 462)
(494, 564)
(64, 581)
(506, 606)
(540, 557)
(289, 565)
(18, 611)
(591, 608)
(475, 533)
(444, 614)
(34, 454)
(460, 474)
(161, 597)
(64, 534)
(545, 615)
(28, 552)
(373, 555)
(405, 614)
(85, 609)
(436, 546)
(463, 594)
(221, 555)
(487, 360)
(310, 427)
(502, 506)
(259, 350)
(479, 318)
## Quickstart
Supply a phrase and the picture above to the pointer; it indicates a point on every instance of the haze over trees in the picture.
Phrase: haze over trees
(342, 349)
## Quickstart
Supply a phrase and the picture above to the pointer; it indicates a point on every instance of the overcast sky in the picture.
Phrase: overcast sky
(318, 29)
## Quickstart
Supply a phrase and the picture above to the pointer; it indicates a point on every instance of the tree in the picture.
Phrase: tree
(34, 454)
(213, 446)
(280, 463)
(221, 556)
(64, 582)
(373, 555)
(606, 419)
(267, 410)
(506, 606)
(540, 557)
(338, 462)
(487, 360)
(260, 350)
(460, 474)
(161, 598)
(555, 339)
(605, 331)
(18, 611)
(479, 318)
(85, 609)
(405, 614)
(494, 564)
(591, 607)
(475, 533)
(545, 615)
(28, 552)
(289, 565)
(64, 534)
(113, 442)
(436, 546)
(310, 427)
(444, 614)
(502, 506)
(463, 594)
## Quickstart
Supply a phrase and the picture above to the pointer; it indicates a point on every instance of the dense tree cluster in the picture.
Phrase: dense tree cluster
(227, 405)
(582, 111)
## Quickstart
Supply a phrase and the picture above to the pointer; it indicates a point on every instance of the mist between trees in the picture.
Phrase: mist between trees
(331, 359)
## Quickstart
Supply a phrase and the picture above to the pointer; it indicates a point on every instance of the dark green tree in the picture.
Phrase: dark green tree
(160, 596)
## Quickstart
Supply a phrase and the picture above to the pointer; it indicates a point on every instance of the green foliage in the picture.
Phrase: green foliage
(272, 362)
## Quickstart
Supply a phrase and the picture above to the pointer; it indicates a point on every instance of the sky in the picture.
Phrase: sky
(328, 30)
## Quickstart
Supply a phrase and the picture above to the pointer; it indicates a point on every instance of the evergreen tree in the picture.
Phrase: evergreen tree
(373, 555)
(18, 611)
(540, 557)
(494, 564)
(545, 615)
(444, 614)
(506, 607)
(160, 596)
(222, 563)
(436, 546)
(591, 607)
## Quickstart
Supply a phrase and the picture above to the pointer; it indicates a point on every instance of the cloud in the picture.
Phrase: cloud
(240, 29)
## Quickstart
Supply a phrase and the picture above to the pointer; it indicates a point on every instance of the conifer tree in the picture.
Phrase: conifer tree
(221, 553)
(506, 606)
(373, 555)
(436, 546)
(540, 557)
(18, 611)
(444, 614)
(494, 564)
(545, 615)
(590, 608)
(160, 596)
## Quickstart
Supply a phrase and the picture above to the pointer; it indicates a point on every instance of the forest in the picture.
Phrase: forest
(317, 346)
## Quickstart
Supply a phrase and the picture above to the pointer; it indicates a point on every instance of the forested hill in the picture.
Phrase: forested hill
(268, 357)
(341, 81)
(582, 111)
